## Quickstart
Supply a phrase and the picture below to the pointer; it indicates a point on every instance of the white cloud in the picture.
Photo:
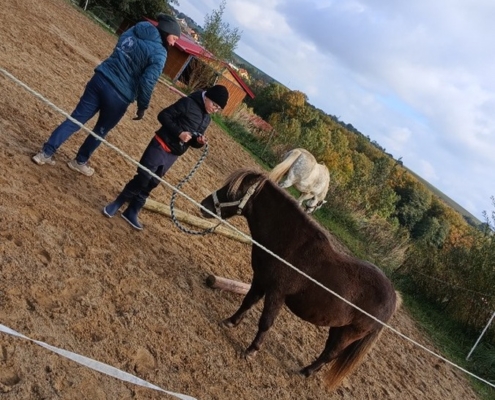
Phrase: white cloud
(427, 171)
(261, 18)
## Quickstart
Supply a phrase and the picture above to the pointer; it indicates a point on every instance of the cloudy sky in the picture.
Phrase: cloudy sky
(416, 77)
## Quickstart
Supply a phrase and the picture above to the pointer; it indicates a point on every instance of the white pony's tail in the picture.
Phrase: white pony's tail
(281, 169)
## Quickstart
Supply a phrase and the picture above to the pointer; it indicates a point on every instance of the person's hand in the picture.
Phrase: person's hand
(201, 139)
(185, 136)
(139, 114)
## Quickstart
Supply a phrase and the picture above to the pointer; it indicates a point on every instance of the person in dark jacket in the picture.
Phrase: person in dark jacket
(130, 73)
(183, 125)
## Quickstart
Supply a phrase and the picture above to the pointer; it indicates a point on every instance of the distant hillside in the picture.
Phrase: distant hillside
(253, 71)
(190, 22)
(470, 218)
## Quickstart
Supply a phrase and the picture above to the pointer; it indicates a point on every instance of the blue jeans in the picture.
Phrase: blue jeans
(99, 96)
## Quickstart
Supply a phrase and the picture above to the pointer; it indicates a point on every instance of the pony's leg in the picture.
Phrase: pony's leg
(254, 294)
(273, 304)
(286, 183)
(304, 196)
(338, 339)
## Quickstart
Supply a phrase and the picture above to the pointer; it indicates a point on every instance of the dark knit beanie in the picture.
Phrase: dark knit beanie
(218, 94)
(168, 24)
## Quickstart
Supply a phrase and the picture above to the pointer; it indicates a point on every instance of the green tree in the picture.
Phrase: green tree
(294, 104)
(337, 157)
(288, 130)
(431, 230)
(382, 199)
(414, 201)
(268, 100)
(357, 188)
(133, 10)
(218, 37)
(315, 137)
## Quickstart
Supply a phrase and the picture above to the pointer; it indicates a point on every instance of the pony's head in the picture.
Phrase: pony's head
(233, 196)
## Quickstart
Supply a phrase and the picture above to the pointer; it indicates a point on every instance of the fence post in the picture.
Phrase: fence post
(482, 333)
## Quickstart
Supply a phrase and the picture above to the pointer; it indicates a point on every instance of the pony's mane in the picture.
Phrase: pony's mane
(235, 180)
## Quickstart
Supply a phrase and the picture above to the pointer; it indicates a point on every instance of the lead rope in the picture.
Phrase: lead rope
(174, 195)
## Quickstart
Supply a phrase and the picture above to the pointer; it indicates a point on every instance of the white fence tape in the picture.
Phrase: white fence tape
(97, 365)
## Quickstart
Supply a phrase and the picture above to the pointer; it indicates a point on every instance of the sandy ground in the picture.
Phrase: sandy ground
(137, 300)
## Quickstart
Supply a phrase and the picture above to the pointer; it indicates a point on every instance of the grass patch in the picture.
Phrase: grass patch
(343, 227)
(251, 143)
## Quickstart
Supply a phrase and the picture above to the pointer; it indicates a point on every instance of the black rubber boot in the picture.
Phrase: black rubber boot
(131, 215)
(111, 208)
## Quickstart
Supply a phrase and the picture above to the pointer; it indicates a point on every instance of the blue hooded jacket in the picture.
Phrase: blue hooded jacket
(136, 63)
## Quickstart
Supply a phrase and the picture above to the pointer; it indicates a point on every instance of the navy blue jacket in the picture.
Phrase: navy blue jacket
(136, 63)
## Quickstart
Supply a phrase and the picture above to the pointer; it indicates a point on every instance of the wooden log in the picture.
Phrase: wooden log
(217, 282)
(155, 206)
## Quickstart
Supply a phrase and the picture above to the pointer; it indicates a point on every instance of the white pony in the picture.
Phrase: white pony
(306, 175)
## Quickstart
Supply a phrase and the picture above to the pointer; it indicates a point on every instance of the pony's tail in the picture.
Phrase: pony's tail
(281, 169)
(353, 355)
(350, 359)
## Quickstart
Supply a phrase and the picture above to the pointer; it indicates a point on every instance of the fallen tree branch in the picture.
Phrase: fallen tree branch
(217, 282)
(155, 206)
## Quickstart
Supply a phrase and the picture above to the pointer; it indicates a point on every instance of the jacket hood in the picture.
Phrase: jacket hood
(147, 31)
(198, 98)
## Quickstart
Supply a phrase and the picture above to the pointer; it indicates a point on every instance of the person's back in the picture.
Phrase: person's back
(136, 63)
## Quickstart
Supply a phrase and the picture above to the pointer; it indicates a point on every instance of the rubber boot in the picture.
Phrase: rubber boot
(111, 208)
(131, 215)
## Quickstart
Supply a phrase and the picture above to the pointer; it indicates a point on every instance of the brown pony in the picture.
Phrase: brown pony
(278, 223)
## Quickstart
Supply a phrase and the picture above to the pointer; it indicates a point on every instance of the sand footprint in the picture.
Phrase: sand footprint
(45, 257)
(11, 238)
(43, 296)
(8, 379)
(144, 362)
(74, 252)
(75, 289)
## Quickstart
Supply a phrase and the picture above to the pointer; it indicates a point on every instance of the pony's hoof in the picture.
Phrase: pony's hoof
(250, 354)
(228, 323)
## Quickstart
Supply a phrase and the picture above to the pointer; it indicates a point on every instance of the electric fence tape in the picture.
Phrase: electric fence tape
(96, 365)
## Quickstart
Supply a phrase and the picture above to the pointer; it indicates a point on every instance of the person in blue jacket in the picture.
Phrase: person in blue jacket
(130, 73)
